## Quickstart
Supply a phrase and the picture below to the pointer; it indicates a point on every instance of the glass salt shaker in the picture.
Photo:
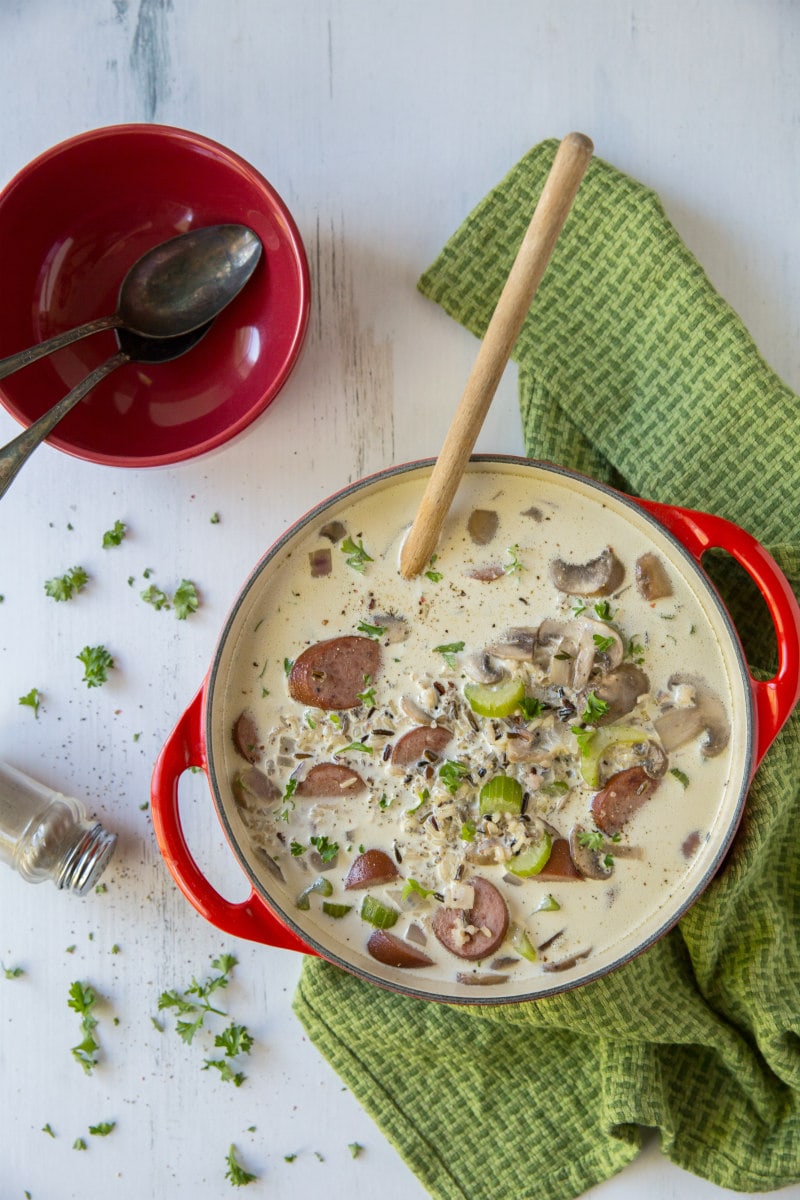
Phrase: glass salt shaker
(45, 835)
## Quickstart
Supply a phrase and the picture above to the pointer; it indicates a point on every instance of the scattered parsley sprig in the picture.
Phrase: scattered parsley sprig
(97, 662)
(64, 587)
(194, 1005)
(82, 999)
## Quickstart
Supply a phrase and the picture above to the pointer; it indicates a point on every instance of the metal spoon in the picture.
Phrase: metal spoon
(133, 348)
(172, 289)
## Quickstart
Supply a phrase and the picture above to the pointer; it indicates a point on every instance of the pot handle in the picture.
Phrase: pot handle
(773, 698)
(250, 919)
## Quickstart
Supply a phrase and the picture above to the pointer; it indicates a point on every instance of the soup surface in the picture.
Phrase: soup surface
(499, 777)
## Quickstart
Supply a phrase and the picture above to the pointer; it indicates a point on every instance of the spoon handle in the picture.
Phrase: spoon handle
(561, 186)
(23, 357)
(16, 453)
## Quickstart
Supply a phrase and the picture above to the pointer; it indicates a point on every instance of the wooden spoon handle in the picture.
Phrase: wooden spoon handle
(558, 194)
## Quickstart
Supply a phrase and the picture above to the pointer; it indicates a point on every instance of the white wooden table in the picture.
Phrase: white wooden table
(381, 124)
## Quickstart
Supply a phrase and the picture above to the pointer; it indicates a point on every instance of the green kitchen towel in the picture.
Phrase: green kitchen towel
(632, 369)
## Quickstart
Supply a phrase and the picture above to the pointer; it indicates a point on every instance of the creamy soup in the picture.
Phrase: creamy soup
(500, 776)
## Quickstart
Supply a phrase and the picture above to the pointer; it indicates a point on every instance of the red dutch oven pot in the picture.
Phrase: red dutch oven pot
(768, 703)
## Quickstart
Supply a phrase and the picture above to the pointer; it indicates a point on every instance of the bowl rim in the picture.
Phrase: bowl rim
(235, 161)
(662, 920)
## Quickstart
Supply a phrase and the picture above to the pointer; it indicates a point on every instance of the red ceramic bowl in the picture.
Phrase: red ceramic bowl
(71, 224)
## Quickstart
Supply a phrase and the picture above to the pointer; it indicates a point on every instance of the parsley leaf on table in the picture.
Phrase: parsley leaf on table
(97, 662)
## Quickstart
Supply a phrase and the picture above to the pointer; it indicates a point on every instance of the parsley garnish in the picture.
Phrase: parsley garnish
(79, 1144)
(584, 738)
(236, 1172)
(358, 557)
(681, 777)
(448, 652)
(531, 707)
(64, 587)
(434, 576)
(288, 801)
(452, 774)
(468, 831)
(114, 536)
(514, 565)
(595, 708)
(603, 610)
(287, 666)
(368, 695)
(412, 886)
(602, 643)
(355, 747)
(636, 651)
(296, 849)
(373, 631)
(97, 662)
(32, 700)
(12, 972)
(592, 839)
(48, 1128)
(354, 1148)
(578, 608)
(326, 850)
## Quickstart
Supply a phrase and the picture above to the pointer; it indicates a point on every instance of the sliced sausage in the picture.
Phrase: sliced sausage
(370, 869)
(331, 674)
(623, 795)
(394, 952)
(246, 738)
(488, 916)
(560, 865)
(411, 747)
(331, 779)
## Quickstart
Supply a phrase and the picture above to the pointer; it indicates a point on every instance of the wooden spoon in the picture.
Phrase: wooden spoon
(558, 194)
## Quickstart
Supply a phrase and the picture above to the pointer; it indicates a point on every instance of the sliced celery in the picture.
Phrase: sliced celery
(501, 794)
(495, 699)
(532, 859)
(320, 885)
(600, 742)
(378, 914)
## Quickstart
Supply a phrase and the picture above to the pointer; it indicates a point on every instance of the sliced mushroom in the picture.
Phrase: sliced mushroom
(482, 525)
(679, 725)
(591, 863)
(246, 737)
(480, 979)
(652, 581)
(564, 964)
(599, 577)
(577, 645)
(480, 668)
(414, 711)
(396, 629)
(320, 562)
(620, 689)
(334, 531)
(517, 645)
